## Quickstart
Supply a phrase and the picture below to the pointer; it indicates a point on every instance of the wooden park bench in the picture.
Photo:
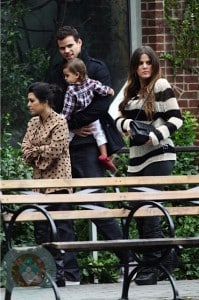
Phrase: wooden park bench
(181, 201)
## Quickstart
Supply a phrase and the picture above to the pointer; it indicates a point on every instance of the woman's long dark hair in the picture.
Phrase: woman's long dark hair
(133, 83)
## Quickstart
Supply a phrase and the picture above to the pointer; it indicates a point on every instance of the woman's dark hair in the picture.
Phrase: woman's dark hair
(76, 65)
(44, 91)
(133, 84)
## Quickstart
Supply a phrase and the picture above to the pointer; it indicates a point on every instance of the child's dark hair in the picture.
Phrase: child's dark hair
(76, 65)
(45, 91)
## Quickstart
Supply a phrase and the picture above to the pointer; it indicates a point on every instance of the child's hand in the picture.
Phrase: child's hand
(111, 92)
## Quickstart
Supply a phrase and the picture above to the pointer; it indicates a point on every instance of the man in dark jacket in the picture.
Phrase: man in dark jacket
(83, 148)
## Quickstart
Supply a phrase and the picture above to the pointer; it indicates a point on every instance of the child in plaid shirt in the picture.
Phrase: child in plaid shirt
(79, 95)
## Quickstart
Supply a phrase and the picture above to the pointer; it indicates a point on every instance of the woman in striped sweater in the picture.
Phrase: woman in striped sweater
(149, 98)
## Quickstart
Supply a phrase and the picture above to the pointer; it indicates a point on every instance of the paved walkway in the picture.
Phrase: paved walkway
(189, 290)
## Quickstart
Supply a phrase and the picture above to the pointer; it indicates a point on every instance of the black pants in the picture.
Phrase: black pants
(65, 231)
(85, 164)
(151, 227)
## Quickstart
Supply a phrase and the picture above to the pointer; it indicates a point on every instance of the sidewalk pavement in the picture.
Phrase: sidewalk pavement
(188, 290)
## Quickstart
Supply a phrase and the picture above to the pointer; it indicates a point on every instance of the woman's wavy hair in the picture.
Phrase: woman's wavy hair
(133, 84)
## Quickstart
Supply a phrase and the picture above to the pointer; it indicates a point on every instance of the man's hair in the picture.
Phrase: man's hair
(66, 31)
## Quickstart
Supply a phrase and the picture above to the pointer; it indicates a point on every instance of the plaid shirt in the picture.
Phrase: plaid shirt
(79, 96)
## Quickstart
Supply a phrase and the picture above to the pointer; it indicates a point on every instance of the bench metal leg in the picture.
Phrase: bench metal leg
(54, 286)
(127, 280)
(36, 251)
(172, 282)
(141, 264)
(8, 294)
(8, 288)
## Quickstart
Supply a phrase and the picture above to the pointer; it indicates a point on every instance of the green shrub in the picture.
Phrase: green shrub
(183, 22)
(105, 269)
(186, 136)
(189, 259)
(12, 164)
(18, 69)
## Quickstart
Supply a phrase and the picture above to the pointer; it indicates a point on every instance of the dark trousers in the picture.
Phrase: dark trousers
(85, 163)
(151, 227)
(65, 231)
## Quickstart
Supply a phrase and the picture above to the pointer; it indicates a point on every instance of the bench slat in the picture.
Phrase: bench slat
(101, 197)
(137, 244)
(104, 213)
(100, 182)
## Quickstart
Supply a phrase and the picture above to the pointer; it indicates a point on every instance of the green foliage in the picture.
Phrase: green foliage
(37, 60)
(185, 136)
(189, 267)
(12, 164)
(105, 269)
(187, 165)
(183, 21)
(122, 159)
(19, 69)
(14, 79)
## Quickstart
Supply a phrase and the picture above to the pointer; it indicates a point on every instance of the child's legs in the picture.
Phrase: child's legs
(100, 137)
(101, 140)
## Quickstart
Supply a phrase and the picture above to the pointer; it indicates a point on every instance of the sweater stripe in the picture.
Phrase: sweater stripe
(140, 160)
(166, 120)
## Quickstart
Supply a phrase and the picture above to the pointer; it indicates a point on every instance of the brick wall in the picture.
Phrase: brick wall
(155, 33)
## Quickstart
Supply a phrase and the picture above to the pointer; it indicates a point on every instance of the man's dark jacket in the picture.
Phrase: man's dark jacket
(96, 70)
(97, 109)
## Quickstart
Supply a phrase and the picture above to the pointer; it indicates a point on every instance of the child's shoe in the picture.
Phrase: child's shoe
(107, 162)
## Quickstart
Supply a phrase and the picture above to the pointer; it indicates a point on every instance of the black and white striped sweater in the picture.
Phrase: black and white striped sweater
(166, 119)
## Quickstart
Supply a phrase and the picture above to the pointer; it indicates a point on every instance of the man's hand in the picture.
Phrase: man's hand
(84, 131)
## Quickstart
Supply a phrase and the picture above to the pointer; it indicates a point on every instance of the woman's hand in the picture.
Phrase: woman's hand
(149, 142)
